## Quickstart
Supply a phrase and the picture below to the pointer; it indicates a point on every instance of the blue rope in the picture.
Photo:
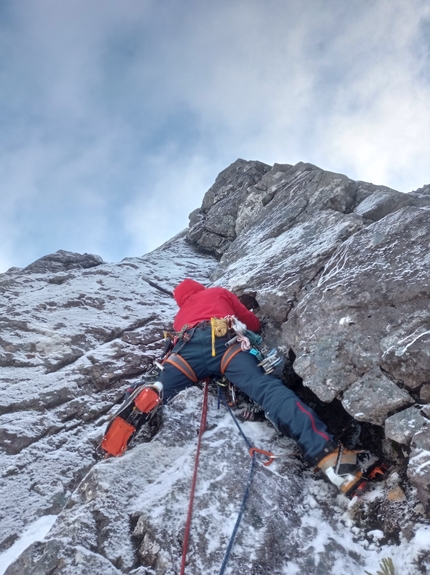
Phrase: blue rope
(248, 443)
(239, 517)
(247, 489)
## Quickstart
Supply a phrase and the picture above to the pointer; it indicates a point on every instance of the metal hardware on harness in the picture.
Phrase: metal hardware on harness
(268, 454)
(232, 393)
(257, 353)
(160, 367)
(270, 361)
(231, 341)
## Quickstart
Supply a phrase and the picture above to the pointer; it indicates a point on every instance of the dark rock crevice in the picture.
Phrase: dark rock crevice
(64, 362)
(118, 333)
(157, 287)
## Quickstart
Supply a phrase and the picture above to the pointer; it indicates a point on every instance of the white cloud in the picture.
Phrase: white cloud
(152, 217)
(108, 109)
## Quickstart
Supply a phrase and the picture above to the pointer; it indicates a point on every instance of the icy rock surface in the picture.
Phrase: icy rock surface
(338, 271)
(419, 465)
(341, 268)
(71, 342)
(128, 514)
(213, 226)
(401, 427)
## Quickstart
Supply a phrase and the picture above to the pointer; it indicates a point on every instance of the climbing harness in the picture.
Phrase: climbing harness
(182, 364)
(228, 355)
(243, 340)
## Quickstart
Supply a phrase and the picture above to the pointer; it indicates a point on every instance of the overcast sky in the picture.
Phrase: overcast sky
(116, 116)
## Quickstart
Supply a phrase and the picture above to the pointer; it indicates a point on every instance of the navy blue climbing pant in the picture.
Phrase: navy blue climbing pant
(281, 405)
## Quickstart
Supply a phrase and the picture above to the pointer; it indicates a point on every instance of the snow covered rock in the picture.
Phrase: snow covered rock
(128, 514)
(373, 396)
(419, 464)
(402, 426)
(212, 227)
(62, 261)
(369, 309)
(68, 351)
(338, 272)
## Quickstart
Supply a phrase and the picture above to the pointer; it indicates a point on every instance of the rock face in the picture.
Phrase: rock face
(372, 299)
(213, 226)
(71, 341)
(338, 271)
(341, 268)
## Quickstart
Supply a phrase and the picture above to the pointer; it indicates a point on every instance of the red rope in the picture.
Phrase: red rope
(193, 485)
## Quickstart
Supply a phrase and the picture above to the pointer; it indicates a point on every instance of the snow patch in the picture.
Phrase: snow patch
(37, 531)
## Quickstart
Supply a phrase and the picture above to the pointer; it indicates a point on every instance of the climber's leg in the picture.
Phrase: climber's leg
(282, 406)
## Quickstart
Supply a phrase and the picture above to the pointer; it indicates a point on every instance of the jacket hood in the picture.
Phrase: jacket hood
(186, 289)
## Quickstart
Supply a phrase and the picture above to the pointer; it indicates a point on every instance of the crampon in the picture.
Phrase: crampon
(140, 405)
(373, 470)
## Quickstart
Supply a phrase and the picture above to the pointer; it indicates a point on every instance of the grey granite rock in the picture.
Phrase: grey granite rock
(338, 271)
(419, 464)
(131, 511)
(212, 227)
(68, 350)
(63, 261)
(402, 426)
(381, 203)
(373, 396)
(425, 393)
(369, 308)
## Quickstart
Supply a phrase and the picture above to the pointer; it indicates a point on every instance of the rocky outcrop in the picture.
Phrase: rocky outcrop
(419, 464)
(213, 226)
(369, 310)
(340, 268)
(62, 261)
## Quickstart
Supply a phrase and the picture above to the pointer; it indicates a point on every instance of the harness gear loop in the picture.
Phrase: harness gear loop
(268, 454)
(229, 354)
(182, 364)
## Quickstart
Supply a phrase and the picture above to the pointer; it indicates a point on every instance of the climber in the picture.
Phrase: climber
(198, 354)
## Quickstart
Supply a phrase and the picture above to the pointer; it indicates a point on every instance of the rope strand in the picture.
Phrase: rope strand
(193, 485)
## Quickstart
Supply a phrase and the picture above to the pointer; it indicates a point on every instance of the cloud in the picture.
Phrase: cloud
(117, 116)
(151, 218)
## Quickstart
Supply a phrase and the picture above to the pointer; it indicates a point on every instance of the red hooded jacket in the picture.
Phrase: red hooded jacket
(198, 303)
